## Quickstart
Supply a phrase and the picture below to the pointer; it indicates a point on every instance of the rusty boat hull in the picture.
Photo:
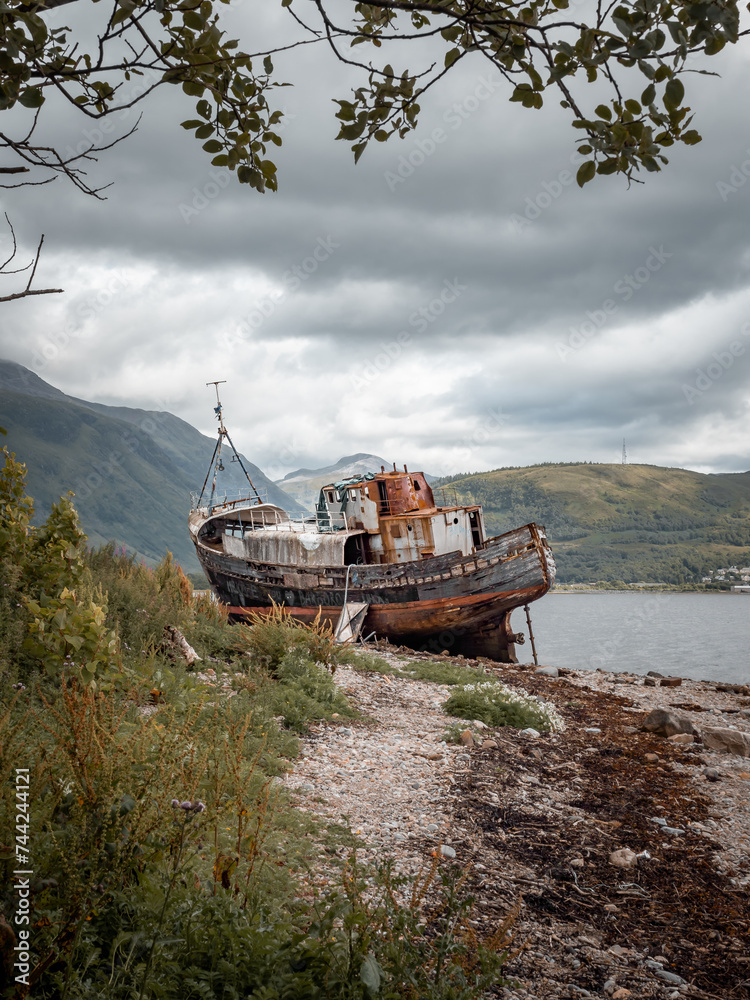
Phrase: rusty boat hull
(455, 602)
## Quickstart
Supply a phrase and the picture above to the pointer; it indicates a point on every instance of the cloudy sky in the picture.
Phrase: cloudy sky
(455, 305)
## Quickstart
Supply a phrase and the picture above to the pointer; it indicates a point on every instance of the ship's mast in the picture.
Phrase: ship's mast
(216, 462)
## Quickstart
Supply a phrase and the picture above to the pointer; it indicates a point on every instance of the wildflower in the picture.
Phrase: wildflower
(175, 803)
(186, 805)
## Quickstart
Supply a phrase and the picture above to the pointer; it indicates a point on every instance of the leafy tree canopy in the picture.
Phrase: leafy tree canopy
(635, 53)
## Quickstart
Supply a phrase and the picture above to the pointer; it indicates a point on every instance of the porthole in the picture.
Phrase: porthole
(455, 520)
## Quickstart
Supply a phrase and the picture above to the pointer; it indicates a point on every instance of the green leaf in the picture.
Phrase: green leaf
(268, 65)
(204, 130)
(213, 146)
(32, 97)
(691, 138)
(649, 95)
(193, 20)
(674, 93)
(371, 974)
(586, 172)
(451, 56)
(604, 112)
(633, 106)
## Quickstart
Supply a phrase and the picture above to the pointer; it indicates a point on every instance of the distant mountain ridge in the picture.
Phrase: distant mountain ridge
(132, 470)
(305, 484)
(634, 523)
(349, 465)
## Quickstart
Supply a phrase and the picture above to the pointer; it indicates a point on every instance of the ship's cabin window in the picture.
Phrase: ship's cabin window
(352, 494)
(331, 497)
(417, 485)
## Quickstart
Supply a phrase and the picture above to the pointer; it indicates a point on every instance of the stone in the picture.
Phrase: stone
(649, 682)
(466, 738)
(621, 993)
(654, 673)
(611, 908)
(547, 671)
(609, 987)
(659, 820)
(662, 722)
(651, 757)
(727, 741)
(673, 831)
(489, 745)
(670, 682)
(624, 858)
(447, 851)
(681, 738)
(577, 862)
(668, 977)
(533, 733)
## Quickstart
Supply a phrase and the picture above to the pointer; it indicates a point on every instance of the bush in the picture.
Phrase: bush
(497, 705)
(303, 691)
(269, 637)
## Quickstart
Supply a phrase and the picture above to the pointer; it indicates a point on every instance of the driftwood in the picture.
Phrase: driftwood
(176, 645)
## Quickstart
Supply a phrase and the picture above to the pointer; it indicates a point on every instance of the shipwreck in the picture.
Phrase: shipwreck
(381, 553)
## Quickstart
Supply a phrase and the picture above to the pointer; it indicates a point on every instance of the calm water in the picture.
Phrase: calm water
(704, 636)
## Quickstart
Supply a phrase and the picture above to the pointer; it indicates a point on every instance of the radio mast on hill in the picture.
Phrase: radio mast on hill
(624, 453)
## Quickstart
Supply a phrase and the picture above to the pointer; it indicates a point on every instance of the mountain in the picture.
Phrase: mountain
(132, 470)
(305, 484)
(634, 523)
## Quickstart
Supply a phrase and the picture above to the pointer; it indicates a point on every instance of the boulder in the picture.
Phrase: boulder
(726, 741)
(662, 722)
(547, 671)
(670, 682)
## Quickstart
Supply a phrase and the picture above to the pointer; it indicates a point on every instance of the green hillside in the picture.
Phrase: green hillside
(622, 522)
(132, 470)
